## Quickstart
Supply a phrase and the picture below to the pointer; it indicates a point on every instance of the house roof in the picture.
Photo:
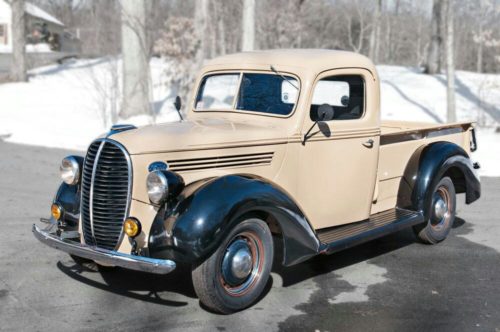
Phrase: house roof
(35, 11)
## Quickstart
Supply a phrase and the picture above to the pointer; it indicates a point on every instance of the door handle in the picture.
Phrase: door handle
(369, 143)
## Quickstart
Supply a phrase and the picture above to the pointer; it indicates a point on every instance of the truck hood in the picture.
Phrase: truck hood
(198, 134)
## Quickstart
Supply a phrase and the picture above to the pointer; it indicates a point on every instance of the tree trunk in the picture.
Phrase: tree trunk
(375, 33)
(248, 43)
(479, 65)
(18, 68)
(434, 56)
(450, 63)
(201, 27)
(135, 52)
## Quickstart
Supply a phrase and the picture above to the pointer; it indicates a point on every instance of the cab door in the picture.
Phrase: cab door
(339, 157)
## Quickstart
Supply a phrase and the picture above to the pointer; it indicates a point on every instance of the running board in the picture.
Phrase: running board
(338, 238)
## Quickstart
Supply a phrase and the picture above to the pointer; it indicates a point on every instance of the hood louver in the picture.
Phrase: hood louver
(244, 160)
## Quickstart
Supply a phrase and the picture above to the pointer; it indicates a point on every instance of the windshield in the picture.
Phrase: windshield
(248, 92)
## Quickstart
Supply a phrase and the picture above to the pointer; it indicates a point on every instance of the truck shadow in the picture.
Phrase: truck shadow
(149, 287)
(324, 264)
(136, 285)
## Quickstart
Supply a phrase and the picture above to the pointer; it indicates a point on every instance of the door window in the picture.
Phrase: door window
(346, 94)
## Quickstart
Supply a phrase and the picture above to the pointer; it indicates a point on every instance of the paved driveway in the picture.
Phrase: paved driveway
(392, 284)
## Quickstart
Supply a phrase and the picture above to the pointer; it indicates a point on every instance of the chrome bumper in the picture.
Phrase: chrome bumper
(138, 263)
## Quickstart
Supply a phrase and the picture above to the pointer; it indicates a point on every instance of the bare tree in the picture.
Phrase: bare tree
(201, 27)
(248, 38)
(18, 68)
(433, 65)
(361, 26)
(375, 33)
(450, 63)
(135, 50)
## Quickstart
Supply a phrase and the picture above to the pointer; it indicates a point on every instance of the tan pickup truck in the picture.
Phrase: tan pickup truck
(277, 146)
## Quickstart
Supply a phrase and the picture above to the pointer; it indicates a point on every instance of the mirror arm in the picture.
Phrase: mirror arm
(306, 136)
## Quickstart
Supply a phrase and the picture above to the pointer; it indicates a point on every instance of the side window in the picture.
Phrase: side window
(346, 94)
(217, 92)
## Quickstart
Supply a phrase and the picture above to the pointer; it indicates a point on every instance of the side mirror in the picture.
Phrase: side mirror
(178, 103)
(324, 112)
(344, 101)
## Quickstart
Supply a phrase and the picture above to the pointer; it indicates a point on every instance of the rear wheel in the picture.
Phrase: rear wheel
(442, 213)
(234, 276)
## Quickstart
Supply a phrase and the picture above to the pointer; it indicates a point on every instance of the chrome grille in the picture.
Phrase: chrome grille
(106, 187)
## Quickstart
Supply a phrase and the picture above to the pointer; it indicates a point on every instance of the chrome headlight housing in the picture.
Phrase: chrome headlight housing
(163, 185)
(157, 185)
(70, 170)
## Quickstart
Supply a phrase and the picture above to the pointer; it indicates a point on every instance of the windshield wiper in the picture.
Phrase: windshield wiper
(283, 77)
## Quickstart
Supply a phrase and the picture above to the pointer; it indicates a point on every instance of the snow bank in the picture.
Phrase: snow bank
(68, 105)
(30, 48)
(409, 95)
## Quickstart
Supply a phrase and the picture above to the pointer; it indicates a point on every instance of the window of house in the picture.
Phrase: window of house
(3, 33)
(346, 94)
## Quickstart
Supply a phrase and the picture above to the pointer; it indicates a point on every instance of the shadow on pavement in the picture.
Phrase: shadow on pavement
(128, 283)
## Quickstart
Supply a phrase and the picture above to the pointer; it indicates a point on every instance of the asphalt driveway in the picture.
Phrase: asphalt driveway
(392, 284)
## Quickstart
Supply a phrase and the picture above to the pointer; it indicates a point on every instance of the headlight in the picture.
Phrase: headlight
(157, 185)
(70, 170)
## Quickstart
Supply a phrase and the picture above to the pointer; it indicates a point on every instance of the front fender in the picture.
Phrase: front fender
(207, 211)
(68, 197)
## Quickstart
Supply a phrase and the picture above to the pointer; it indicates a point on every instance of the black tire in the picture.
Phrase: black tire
(209, 278)
(438, 227)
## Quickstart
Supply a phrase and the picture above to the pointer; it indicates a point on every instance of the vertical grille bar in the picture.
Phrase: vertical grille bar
(106, 190)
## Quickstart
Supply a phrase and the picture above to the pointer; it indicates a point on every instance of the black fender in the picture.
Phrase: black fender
(426, 168)
(207, 211)
(68, 197)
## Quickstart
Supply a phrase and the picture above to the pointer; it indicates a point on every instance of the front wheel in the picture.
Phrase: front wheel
(442, 213)
(235, 275)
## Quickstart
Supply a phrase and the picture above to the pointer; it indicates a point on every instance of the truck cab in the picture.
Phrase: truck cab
(283, 145)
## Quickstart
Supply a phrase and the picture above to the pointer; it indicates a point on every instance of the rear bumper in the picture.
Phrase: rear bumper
(132, 262)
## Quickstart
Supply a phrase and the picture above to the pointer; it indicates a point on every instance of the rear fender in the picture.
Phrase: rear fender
(426, 168)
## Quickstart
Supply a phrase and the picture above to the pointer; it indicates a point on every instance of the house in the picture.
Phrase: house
(41, 28)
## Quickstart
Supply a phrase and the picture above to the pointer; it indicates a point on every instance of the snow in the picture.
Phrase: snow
(68, 105)
(407, 94)
(30, 48)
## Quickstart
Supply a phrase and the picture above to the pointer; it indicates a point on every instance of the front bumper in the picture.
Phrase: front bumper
(108, 257)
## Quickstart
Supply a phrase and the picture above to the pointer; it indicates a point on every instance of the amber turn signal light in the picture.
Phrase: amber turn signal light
(132, 227)
(56, 211)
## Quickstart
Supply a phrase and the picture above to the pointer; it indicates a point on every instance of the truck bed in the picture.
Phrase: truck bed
(389, 128)
(398, 142)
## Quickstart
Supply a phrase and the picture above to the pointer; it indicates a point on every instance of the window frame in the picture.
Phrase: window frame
(235, 101)
(359, 75)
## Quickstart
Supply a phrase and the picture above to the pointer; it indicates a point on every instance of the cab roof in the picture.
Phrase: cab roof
(317, 60)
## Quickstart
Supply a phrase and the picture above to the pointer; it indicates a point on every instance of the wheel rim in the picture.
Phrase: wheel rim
(441, 209)
(242, 264)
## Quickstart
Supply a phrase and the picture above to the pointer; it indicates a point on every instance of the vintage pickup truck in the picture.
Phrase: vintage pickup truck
(282, 145)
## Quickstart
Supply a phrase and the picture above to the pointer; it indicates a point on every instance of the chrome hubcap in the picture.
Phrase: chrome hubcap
(242, 263)
(440, 208)
(237, 263)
